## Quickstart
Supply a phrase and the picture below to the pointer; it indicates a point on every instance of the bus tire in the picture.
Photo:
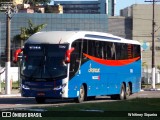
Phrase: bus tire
(128, 91)
(114, 97)
(82, 95)
(91, 98)
(40, 100)
(122, 93)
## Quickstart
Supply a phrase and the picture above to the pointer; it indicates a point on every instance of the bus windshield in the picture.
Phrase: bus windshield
(44, 61)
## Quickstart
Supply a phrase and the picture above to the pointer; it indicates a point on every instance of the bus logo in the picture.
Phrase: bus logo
(93, 70)
(62, 46)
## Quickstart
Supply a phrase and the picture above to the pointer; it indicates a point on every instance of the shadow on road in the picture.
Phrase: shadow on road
(22, 100)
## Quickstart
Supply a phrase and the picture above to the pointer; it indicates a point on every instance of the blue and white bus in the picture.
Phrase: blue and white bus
(79, 65)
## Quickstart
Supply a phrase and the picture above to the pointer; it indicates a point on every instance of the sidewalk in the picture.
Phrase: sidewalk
(14, 93)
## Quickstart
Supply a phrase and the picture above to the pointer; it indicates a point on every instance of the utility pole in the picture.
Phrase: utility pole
(9, 14)
(153, 42)
(153, 48)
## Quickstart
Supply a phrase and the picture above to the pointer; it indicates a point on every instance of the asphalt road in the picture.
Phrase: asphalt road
(17, 102)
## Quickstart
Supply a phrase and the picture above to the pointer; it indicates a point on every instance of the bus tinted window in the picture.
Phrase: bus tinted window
(136, 51)
(76, 56)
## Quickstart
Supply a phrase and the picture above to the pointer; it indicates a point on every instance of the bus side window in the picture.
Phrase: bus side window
(118, 51)
(124, 51)
(75, 57)
(110, 51)
(91, 47)
(99, 49)
(136, 51)
(85, 49)
(113, 51)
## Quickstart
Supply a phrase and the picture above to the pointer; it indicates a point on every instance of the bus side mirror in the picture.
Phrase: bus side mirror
(16, 53)
(68, 55)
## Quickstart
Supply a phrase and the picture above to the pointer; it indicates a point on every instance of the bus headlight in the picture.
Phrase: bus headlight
(25, 87)
(59, 87)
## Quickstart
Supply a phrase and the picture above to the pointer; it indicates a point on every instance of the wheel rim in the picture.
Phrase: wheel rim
(128, 91)
(122, 95)
(81, 93)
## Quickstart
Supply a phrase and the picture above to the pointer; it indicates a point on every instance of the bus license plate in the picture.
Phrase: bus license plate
(41, 94)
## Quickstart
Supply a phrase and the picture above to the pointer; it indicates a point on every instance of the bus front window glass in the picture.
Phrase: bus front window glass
(46, 62)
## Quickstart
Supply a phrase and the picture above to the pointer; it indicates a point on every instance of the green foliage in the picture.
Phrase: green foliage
(33, 2)
(48, 9)
(158, 67)
(144, 64)
(26, 32)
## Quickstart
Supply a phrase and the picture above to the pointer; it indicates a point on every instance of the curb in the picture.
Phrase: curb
(10, 95)
(151, 89)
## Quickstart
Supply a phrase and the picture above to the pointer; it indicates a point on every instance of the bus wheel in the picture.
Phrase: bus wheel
(122, 93)
(91, 98)
(82, 94)
(128, 91)
(114, 97)
(40, 100)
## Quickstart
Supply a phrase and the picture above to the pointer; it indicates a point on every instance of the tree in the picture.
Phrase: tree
(33, 2)
(26, 32)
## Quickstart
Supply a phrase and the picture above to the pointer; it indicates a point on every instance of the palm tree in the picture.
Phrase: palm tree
(26, 32)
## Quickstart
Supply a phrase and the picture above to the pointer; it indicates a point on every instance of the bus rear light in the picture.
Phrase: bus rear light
(68, 55)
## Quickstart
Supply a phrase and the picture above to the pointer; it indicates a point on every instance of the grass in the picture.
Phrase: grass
(145, 104)
(14, 85)
(117, 110)
(150, 86)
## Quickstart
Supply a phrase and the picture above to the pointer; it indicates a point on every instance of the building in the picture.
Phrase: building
(5, 3)
(87, 6)
(120, 26)
(54, 9)
(16, 2)
(55, 22)
(88, 15)
(141, 15)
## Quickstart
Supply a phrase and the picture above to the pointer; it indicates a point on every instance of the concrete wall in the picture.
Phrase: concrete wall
(13, 74)
(147, 76)
(120, 26)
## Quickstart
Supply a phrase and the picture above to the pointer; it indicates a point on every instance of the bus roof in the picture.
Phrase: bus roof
(60, 37)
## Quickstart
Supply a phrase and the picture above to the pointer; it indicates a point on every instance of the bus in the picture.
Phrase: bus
(79, 65)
